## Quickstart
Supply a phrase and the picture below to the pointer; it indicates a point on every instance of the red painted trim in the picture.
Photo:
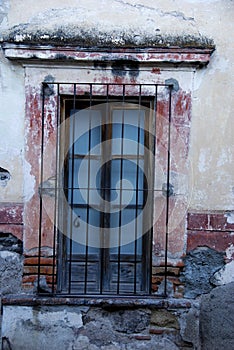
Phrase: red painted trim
(157, 55)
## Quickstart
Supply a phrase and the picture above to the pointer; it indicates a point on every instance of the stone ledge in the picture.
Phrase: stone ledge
(197, 56)
(130, 302)
(89, 36)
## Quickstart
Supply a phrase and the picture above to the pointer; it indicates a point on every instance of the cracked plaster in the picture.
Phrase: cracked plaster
(85, 24)
(137, 22)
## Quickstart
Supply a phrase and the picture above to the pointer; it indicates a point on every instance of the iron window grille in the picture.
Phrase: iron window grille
(103, 187)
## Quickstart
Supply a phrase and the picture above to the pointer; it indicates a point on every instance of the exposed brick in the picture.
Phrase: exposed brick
(209, 221)
(219, 222)
(28, 286)
(180, 264)
(178, 286)
(50, 279)
(212, 239)
(44, 270)
(156, 279)
(34, 261)
(156, 331)
(143, 337)
(197, 221)
(175, 280)
(29, 279)
(45, 252)
(170, 270)
(154, 288)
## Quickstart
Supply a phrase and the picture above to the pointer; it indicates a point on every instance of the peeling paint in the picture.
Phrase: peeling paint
(230, 252)
(225, 157)
(127, 38)
(224, 275)
(4, 8)
(174, 83)
(158, 11)
(203, 164)
(29, 182)
(230, 217)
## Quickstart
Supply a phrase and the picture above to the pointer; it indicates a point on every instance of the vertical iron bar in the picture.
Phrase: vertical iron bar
(88, 194)
(105, 195)
(72, 187)
(137, 192)
(70, 257)
(153, 135)
(56, 189)
(41, 180)
(168, 187)
(120, 199)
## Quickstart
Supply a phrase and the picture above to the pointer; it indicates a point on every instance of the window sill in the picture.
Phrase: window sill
(107, 302)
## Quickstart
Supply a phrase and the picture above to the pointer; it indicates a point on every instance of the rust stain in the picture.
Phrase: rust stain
(155, 70)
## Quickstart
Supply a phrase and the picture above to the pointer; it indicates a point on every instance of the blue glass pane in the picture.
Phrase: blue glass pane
(79, 196)
(79, 171)
(115, 173)
(130, 171)
(130, 248)
(94, 218)
(95, 144)
(78, 234)
(84, 124)
(114, 220)
(78, 178)
(132, 119)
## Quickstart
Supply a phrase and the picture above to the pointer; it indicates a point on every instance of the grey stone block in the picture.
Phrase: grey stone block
(200, 266)
(217, 318)
(11, 269)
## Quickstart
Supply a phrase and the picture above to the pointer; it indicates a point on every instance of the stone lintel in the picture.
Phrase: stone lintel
(68, 54)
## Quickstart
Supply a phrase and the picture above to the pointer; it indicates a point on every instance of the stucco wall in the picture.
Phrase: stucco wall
(211, 132)
(206, 245)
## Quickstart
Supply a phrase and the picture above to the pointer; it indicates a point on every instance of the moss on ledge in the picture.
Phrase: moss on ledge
(92, 37)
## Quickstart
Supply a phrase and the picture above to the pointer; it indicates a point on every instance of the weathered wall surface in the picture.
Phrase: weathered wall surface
(210, 224)
(216, 317)
(212, 162)
(93, 328)
(211, 141)
(212, 131)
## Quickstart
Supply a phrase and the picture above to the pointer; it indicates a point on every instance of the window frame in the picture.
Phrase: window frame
(68, 104)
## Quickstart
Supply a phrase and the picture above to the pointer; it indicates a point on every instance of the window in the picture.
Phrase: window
(161, 77)
(103, 188)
